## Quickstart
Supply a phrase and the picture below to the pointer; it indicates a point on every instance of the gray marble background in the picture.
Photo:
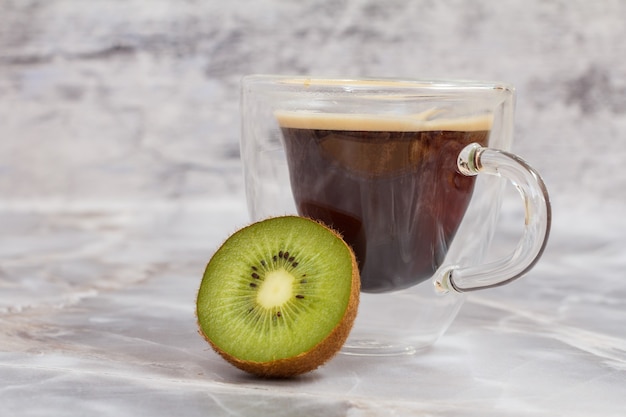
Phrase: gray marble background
(120, 173)
(137, 100)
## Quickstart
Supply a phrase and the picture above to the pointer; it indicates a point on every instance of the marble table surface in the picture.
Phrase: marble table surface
(97, 318)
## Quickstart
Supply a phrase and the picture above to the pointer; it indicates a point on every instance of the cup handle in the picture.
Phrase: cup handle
(475, 159)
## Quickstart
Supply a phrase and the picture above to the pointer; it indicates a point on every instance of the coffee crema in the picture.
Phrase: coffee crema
(388, 184)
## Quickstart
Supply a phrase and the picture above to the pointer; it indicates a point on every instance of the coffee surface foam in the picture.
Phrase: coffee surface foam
(420, 122)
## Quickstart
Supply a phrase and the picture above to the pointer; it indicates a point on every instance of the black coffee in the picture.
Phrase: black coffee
(392, 189)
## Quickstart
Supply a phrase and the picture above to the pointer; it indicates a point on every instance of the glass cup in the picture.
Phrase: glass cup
(411, 173)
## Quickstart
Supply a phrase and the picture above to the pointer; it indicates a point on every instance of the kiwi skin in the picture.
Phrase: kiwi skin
(318, 354)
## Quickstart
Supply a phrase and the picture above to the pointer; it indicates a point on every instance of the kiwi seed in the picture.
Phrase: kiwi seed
(279, 297)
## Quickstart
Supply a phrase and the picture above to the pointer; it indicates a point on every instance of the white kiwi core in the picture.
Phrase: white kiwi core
(276, 289)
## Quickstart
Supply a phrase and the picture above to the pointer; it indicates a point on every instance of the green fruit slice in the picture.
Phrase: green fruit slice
(279, 297)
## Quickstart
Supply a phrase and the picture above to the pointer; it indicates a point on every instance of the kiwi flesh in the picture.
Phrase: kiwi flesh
(279, 297)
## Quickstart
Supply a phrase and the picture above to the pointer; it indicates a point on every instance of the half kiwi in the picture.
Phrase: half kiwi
(279, 297)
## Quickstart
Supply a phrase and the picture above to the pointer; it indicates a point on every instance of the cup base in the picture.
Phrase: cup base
(401, 323)
(374, 347)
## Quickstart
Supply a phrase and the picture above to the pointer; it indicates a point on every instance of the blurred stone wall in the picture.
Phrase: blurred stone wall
(137, 100)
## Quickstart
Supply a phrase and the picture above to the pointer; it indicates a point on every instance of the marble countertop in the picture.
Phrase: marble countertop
(97, 318)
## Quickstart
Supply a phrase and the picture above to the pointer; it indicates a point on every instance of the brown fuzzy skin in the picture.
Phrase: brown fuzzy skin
(316, 356)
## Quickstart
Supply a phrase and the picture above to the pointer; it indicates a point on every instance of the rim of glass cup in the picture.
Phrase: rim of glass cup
(365, 84)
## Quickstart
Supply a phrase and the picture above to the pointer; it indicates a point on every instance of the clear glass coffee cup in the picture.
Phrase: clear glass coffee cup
(411, 173)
